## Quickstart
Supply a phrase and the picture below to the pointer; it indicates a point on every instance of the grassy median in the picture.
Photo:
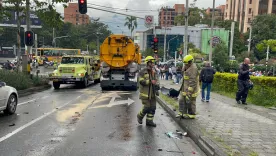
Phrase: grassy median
(21, 81)
(173, 102)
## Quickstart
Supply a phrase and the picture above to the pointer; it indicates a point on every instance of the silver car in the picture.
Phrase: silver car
(8, 99)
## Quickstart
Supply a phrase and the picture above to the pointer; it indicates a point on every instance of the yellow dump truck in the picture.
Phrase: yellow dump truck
(120, 60)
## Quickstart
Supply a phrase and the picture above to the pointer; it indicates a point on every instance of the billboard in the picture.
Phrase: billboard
(12, 19)
(219, 36)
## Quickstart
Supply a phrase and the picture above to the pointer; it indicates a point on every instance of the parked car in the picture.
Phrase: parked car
(8, 99)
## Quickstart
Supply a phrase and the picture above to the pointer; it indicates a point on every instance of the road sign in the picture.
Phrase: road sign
(149, 21)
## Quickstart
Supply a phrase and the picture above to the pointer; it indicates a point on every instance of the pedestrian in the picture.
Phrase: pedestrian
(206, 78)
(174, 73)
(149, 86)
(189, 89)
(163, 72)
(178, 74)
(167, 71)
(243, 81)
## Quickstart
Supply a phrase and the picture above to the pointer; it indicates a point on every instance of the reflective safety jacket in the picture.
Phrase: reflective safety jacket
(147, 89)
(190, 81)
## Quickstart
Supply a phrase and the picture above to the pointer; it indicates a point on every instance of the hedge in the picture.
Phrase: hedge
(20, 81)
(263, 93)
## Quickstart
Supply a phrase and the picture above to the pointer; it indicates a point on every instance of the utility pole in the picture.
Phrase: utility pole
(232, 39)
(165, 36)
(266, 60)
(186, 28)
(249, 40)
(54, 37)
(35, 45)
(212, 31)
(28, 22)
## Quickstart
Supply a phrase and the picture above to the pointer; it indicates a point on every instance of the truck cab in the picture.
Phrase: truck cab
(77, 69)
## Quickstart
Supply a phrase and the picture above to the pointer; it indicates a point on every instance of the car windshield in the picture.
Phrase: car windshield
(72, 60)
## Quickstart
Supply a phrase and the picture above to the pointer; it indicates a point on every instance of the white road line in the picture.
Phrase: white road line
(34, 121)
(44, 97)
(23, 103)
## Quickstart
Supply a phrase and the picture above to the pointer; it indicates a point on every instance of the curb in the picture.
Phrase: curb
(204, 143)
(29, 91)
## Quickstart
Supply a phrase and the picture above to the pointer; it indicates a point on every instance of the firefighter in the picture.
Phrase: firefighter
(189, 89)
(148, 86)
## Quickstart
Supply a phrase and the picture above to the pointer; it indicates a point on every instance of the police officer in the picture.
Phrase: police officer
(148, 86)
(243, 80)
(189, 89)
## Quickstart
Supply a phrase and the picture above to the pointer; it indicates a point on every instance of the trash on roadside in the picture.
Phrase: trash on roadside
(174, 135)
(175, 151)
(26, 113)
(160, 149)
(181, 133)
(194, 152)
(12, 125)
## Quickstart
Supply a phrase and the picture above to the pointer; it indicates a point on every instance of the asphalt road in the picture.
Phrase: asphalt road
(87, 122)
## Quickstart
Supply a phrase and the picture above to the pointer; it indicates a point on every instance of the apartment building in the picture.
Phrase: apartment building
(72, 15)
(243, 11)
(219, 12)
(167, 15)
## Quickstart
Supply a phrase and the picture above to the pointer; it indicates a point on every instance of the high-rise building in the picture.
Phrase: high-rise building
(167, 15)
(243, 11)
(72, 15)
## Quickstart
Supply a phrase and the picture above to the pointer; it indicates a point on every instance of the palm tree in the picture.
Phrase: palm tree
(131, 23)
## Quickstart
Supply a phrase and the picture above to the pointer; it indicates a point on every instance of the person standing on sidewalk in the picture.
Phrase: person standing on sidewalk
(189, 89)
(149, 86)
(243, 81)
(206, 77)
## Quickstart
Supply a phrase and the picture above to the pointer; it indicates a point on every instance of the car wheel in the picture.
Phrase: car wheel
(56, 85)
(11, 106)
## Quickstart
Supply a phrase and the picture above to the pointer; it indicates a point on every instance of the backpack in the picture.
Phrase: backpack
(208, 75)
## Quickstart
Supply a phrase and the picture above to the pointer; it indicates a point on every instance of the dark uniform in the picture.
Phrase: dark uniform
(243, 79)
(148, 94)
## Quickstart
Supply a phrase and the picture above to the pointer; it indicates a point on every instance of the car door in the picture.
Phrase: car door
(3, 96)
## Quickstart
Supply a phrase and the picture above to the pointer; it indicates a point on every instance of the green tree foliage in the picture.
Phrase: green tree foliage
(194, 17)
(238, 42)
(149, 52)
(220, 57)
(131, 23)
(264, 27)
(262, 47)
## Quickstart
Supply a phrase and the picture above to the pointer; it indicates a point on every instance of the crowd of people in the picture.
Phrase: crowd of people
(169, 72)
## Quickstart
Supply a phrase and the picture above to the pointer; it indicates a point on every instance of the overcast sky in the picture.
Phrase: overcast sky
(115, 20)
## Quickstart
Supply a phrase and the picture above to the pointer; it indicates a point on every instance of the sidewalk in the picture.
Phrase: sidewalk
(245, 130)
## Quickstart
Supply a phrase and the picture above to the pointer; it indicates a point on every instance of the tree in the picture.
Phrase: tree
(131, 23)
(193, 19)
(220, 57)
(262, 47)
(263, 27)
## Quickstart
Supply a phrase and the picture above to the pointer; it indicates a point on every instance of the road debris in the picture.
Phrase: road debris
(11, 125)
(160, 149)
(175, 151)
(26, 113)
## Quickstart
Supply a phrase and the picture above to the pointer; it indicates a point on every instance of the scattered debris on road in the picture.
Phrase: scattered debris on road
(11, 125)
(160, 149)
(175, 151)
(26, 113)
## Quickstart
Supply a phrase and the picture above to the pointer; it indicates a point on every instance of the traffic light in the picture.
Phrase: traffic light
(29, 38)
(82, 6)
(155, 45)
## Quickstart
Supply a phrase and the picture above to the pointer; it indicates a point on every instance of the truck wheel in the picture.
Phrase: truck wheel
(56, 85)
(85, 82)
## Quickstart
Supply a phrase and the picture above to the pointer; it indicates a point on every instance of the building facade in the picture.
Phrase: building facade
(243, 11)
(219, 12)
(72, 15)
(167, 15)
(198, 35)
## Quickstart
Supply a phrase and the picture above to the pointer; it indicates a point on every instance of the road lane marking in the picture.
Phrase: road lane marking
(23, 103)
(44, 97)
(35, 120)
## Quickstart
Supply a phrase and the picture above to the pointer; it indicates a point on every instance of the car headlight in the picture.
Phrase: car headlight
(81, 74)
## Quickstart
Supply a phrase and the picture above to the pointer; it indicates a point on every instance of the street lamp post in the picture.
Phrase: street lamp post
(54, 39)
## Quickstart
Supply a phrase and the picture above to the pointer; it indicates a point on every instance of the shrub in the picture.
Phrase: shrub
(20, 80)
(263, 93)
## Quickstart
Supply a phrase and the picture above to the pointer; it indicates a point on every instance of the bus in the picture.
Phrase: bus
(53, 54)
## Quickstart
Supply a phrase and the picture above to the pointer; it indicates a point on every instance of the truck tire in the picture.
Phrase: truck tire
(56, 85)
(84, 83)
